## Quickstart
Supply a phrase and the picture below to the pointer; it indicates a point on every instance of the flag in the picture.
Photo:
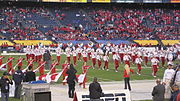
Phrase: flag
(30, 63)
(13, 69)
(80, 78)
(51, 77)
(39, 67)
(3, 66)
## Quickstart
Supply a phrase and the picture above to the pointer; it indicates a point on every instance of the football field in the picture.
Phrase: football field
(102, 75)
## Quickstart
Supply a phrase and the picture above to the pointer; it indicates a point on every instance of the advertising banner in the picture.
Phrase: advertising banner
(78, 1)
(152, 1)
(101, 1)
(124, 1)
(175, 1)
(54, 0)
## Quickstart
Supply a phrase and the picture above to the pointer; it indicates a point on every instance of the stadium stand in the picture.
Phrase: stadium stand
(74, 22)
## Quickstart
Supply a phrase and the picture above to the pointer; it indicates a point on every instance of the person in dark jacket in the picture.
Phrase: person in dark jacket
(30, 75)
(175, 93)
(71, 72)
(4, 84)
(158, 91)
(95, 90)
(47, 58)
(18, 78)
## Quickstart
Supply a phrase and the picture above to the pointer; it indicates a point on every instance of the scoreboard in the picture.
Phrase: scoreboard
(102, 1)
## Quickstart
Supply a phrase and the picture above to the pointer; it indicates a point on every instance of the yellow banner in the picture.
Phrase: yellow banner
(6, 42)
(146, 42)
(54, 0)
(33, 42)
(175, 1)
(81, 1)
(170, 42)
(101, 1)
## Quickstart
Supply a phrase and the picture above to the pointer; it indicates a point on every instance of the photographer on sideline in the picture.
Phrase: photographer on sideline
(4, 84)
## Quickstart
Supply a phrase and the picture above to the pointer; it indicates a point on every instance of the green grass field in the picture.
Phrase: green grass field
(12, 99)
(102, 75)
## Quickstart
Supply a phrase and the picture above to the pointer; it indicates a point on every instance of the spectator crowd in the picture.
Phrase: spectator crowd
(83, 23)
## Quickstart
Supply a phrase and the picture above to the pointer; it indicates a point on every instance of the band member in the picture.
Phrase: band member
(113, 50)
(126, 59)
(32, 56)
(1, 57)
(74, 53)
(99, 50)
(36, 54)
(27, 51)
(98, 57)
(84, 55)
(168, 75)
(156, 54)
(89, 52)
(53, 67)
(154, 63)
(139, 53)
(30, 63)
(42, 51)
(106, 62)
(116, 61)
(145, 58)
(162, 55)
(41, 69)
(39, 55)
(107, 48)
(90, 49)
(121, 54)
(20, 62)
(134, 56)
(9, 63)
(58, 54)
(93, 57)
(126, 76)
(79, 51)
(68, 54)
(138, 62)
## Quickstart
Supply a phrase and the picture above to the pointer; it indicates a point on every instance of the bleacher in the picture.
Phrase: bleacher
(97, 22)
